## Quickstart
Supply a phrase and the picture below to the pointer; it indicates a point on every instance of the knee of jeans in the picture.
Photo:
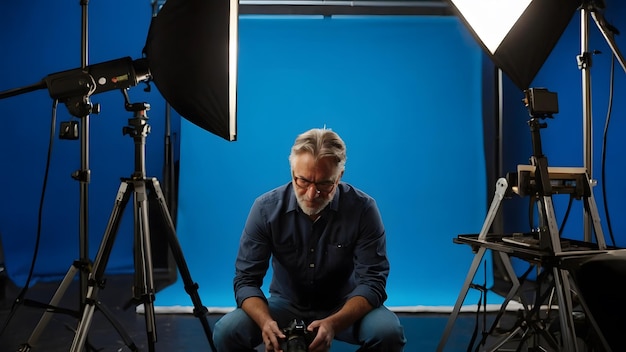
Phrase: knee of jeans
(235, 332)
(391, 332)
(218, 333)
(386, 335)
(223, 331)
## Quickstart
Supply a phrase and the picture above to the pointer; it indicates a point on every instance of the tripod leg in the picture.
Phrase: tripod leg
(120, 330)
(144, 280)
(566, 318)
(95, 277)
(478, 257)
(47, 315)
(191, 287)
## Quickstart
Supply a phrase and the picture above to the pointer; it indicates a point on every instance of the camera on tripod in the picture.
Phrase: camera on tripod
(297, 337)
(541, 102)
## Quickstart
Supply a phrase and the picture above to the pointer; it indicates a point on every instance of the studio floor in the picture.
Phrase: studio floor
(175, 332)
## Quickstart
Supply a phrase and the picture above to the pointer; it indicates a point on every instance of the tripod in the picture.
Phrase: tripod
(542, 182)
(140, 188)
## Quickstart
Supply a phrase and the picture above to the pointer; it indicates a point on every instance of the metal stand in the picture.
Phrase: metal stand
(549, 253)
(140, 188)
(53, 308)
(79, 106)
(594, 9)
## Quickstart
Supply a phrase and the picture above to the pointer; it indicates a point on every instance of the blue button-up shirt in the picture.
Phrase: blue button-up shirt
(316, 265)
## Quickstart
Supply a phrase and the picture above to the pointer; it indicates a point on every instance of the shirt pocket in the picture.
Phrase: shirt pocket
(339, 255)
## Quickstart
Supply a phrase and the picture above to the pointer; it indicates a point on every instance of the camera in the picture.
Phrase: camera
(297, 337)
(541, 102)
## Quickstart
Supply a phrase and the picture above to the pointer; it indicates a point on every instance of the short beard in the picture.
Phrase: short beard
(321, 203)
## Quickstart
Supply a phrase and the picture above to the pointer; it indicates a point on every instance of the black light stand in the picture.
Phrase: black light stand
(83, 175)
(141, 188)
(76, 98)
(74, 88)
(593, 9)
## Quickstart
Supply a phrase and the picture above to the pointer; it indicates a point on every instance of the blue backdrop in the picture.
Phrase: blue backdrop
(412, 122)
(404, 92)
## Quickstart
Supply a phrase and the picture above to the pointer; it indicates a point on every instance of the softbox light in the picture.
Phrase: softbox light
(518, 35)
(191, 50)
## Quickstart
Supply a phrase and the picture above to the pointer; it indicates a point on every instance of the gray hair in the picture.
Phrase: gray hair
(321, 143)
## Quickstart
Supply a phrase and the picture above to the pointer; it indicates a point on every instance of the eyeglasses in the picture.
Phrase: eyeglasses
(323, 187)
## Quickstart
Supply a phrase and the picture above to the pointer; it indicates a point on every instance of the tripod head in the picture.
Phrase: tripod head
(138, 128)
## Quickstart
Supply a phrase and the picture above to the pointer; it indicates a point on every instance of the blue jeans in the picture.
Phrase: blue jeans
(379, 330)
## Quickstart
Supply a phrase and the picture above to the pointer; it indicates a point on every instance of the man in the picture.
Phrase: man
(327, 245)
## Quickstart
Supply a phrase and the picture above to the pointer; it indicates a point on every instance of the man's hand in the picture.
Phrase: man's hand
(354, 309)
(324, 336)
(258, 310)
(271, 336)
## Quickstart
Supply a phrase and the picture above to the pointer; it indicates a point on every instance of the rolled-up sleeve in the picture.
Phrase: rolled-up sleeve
(370, 256)
(253, 257)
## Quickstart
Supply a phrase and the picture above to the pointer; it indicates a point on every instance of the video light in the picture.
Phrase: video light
(71, 87)
(518, 35)
(115, 74)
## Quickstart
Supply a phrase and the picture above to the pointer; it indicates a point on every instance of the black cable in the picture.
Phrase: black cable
(604, 139)
(567, 211)
(20, 297)
(531, 211)
(482, 298)
(532, 200)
